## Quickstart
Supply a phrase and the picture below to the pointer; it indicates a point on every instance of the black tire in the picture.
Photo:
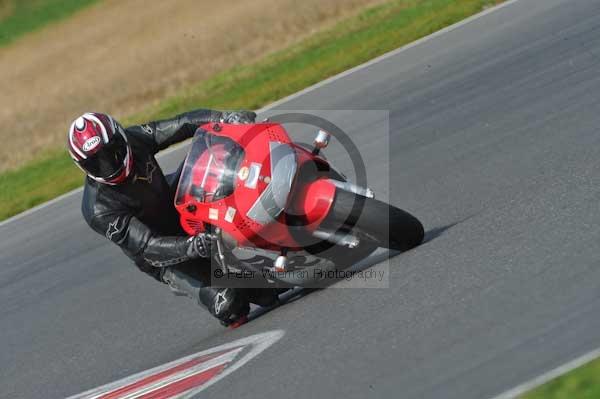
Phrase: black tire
(375, 221)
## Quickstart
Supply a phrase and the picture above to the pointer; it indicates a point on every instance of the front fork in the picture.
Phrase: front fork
(315, 201)
(336, 237)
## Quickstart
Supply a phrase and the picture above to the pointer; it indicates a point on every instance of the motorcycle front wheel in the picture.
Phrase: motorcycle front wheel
(377, 222)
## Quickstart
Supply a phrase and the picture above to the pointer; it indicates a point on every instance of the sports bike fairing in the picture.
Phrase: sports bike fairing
(238, 178)
(273, 200)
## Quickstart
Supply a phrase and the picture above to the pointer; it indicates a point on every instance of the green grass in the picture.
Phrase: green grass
(28, 15)
(581, 383)
(37, 182)
(372, 33)
(356, 40)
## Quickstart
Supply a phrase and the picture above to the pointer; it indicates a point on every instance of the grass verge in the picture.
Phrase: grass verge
(26, 16)
(371, 33)
(581, 383)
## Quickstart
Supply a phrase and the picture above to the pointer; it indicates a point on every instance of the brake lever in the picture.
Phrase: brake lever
(218, 238)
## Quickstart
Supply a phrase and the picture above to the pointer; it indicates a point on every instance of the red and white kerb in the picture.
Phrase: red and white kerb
(186, 377)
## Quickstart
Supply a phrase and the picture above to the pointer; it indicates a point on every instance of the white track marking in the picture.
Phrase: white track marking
(302, 92)
(549, 375)
(255, 343)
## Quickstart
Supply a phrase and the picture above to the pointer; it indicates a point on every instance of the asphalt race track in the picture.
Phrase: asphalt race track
(495, 146)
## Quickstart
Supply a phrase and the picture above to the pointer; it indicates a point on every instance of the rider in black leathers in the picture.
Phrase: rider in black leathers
(129, 200)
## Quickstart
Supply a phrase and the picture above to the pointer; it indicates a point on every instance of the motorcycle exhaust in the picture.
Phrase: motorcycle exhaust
(346, 240)
(353, 188)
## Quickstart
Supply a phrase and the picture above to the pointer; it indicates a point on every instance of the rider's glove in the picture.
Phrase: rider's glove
(238, 117)
(199, 246)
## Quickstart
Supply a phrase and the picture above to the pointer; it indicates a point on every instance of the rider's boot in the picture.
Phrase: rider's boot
(230, 305)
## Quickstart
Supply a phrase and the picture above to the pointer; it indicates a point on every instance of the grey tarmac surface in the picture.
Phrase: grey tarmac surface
(495, 146)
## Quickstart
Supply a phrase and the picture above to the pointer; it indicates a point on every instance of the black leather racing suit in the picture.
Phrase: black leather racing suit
(138, 215)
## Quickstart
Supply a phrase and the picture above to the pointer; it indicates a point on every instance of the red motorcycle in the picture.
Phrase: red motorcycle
(250, 186)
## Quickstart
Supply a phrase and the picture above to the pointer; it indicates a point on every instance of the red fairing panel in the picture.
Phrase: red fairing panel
(315, 200)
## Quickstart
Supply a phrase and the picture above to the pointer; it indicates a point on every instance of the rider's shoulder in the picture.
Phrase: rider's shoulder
(144, 131)
(89, 200)
(139, 136)
(99, 199)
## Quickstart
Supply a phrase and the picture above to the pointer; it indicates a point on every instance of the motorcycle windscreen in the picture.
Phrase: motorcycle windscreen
(210, 169)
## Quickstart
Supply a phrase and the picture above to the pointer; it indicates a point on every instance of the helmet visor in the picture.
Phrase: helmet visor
(109, 161)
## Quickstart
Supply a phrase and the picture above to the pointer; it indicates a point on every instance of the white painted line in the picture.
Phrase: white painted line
(304, 91)
(549, 375)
